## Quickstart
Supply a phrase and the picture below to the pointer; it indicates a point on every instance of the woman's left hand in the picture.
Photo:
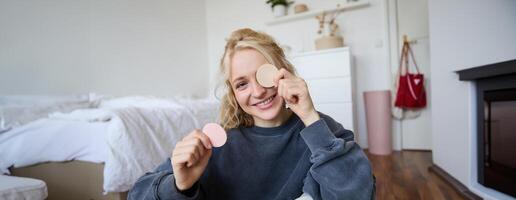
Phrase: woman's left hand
(295, 93)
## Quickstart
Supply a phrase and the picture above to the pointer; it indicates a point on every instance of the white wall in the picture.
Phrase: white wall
(364, 31)
(221, 20)
(116, 47)
(155, 47)
(464, 34)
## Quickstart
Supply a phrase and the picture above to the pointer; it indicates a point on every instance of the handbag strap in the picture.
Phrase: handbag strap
(406, 50)
(412, 56)
(404, 58)
(410, 88)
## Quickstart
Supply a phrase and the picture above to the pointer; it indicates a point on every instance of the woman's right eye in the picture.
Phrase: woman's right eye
(240, 85)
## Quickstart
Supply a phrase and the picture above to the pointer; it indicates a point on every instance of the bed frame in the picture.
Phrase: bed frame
(70, 180)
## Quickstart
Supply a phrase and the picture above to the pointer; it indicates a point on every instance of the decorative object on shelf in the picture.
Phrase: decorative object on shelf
(329, 42)
(279, 7)
(329, 31)
(312, 13)
(299, 8)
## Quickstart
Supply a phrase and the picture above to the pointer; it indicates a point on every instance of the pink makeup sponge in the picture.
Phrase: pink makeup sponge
(216, 134)
(265, 75)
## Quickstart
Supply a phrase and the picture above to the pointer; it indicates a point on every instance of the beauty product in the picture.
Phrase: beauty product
(216, 134)
(265, 75)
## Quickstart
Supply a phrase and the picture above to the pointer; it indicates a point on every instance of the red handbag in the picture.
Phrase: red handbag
(411, 90)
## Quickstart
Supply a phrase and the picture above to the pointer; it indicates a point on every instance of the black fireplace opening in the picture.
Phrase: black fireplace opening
(495, 86)
(499, 141)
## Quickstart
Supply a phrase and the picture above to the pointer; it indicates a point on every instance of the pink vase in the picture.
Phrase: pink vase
(378, 116)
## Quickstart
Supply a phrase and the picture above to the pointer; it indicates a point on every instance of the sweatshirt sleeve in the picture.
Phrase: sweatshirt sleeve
(160, 184)
(340, 169)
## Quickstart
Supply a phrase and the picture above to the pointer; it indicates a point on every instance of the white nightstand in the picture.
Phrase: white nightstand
(330, 80)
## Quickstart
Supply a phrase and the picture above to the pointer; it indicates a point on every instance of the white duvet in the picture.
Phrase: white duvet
(130, 135)
(48, 140)
(140, 139)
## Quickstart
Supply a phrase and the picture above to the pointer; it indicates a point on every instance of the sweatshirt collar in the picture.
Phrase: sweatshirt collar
(292, 121)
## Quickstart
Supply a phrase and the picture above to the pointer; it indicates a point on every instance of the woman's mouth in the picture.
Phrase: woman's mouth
(265, 103)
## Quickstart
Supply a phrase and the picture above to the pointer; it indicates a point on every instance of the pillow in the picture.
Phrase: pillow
(18, 113)
(27, 100)
(137, 101)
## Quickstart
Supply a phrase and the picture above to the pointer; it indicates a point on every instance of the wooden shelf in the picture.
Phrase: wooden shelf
(308, 14)
(324, 51)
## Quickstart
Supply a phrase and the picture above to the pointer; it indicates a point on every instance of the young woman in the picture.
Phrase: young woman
(272, 152)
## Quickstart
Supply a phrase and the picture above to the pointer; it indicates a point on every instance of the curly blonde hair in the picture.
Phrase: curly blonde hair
(231, 114)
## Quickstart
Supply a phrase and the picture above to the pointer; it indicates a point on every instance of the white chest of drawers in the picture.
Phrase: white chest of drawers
(329, 76)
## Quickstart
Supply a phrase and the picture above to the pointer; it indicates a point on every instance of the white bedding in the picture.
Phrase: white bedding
(140, 139)
(53, 140)
(130, 135)
(17, 113)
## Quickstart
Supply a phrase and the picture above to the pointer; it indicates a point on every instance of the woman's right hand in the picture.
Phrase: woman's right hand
(190, 158)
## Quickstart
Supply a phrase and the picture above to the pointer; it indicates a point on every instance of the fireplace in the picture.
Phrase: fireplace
(496, 124)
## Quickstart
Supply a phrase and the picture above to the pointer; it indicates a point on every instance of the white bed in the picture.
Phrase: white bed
(47, 140)
(129, 136)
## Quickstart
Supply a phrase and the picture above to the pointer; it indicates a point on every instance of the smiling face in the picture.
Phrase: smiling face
(263, 104)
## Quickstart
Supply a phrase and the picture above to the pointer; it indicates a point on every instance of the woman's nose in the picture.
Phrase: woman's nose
(258, 90)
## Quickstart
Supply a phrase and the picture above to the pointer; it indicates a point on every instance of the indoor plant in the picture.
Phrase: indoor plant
(279, 7)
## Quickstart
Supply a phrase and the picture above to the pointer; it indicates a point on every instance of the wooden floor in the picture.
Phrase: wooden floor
(405, 175)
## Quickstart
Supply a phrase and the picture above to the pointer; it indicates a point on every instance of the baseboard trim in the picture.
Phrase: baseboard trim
(454, 183)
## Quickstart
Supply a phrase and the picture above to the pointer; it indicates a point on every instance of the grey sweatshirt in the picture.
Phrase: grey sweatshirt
(283, 162)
